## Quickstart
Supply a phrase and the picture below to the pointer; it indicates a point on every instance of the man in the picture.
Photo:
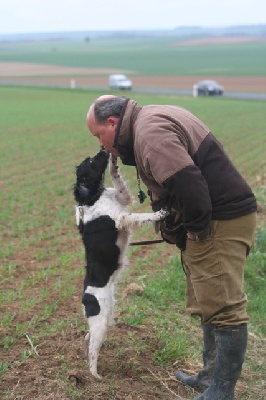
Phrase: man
(185, 168)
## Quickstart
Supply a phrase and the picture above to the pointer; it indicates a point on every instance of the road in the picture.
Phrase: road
(232, 95)
(179, 92)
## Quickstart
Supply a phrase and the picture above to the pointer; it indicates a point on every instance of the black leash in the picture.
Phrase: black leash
(144, 242)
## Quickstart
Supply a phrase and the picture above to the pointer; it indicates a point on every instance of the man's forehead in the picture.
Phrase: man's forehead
(91, 122)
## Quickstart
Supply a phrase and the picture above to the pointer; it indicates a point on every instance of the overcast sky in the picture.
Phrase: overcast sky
(22, 16)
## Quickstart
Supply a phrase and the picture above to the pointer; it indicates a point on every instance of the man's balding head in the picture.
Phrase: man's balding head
(102, 119)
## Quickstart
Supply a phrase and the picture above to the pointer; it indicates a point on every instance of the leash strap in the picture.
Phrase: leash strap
(145, 242)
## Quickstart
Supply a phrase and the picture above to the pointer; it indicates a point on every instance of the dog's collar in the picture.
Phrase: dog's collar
(81, 213)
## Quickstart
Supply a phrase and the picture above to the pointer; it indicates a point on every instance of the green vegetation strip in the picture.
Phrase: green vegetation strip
(144, 57)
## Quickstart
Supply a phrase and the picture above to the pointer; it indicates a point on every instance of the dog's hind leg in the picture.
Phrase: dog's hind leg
(96, 313)
(94, 340)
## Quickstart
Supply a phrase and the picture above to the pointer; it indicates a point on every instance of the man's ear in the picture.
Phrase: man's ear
(113, 121)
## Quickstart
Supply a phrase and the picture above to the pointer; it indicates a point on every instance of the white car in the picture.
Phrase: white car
(120, 82)
(209, 88)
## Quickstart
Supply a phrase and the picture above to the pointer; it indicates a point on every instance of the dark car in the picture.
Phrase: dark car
(209, 88)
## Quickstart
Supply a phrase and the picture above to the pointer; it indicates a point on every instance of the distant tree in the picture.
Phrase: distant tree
(87, 39)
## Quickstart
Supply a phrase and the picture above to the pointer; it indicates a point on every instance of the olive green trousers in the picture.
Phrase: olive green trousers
(215, 272)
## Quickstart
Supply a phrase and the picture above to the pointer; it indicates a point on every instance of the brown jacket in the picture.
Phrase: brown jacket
(182, 164)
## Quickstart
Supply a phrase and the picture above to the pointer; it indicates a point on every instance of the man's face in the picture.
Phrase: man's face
(104, 132)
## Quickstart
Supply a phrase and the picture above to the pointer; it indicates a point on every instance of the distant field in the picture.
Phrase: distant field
(157, 57)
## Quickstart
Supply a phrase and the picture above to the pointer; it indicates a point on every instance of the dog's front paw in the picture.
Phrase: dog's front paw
(162, 213)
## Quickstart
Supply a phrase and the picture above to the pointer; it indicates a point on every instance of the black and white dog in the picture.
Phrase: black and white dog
(105, 226)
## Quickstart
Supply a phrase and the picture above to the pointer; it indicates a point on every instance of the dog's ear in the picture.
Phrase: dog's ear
(81, 193)
(84, 192)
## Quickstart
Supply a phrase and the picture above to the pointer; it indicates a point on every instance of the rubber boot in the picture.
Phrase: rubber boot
(231, 346)
(202, 379)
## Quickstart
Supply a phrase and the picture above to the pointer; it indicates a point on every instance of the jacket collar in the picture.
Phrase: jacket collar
(124, 138)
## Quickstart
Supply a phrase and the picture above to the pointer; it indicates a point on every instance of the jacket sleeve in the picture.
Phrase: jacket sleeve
(190, 194)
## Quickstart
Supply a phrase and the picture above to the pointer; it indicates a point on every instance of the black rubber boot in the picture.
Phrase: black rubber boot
(231, 346)
(202, 379)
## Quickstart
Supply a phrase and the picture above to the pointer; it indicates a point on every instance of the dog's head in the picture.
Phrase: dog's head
(90, 178)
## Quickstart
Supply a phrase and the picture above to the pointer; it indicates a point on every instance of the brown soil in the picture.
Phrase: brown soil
(55, 75)
(56, 368)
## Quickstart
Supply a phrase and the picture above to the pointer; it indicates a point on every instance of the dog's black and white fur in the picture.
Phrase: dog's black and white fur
(105, 226)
